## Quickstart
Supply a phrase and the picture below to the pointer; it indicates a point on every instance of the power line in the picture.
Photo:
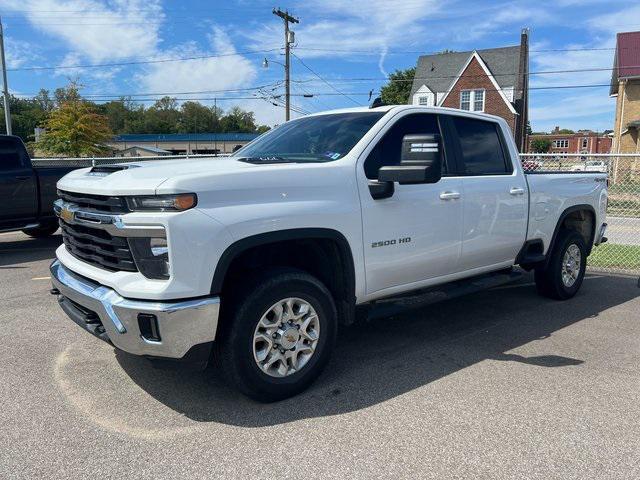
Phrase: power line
(144, 62)
(313, 71)
(422, 52)
(483, 75)
(277, 98)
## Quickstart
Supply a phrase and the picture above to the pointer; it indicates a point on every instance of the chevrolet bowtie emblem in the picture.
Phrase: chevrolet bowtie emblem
(66, 214)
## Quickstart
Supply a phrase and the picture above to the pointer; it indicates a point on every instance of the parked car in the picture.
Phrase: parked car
(532, 164)
(259, 257)
(28, 193)
(590, 166)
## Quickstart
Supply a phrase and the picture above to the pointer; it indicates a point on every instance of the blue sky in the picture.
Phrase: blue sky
(351, 45)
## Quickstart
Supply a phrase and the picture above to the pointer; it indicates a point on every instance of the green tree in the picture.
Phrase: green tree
(566, 131)
(163, 116)
(26, 115)
(74, 128)
(238, 120)
(540, 145)
(197, 118)
(398, 88)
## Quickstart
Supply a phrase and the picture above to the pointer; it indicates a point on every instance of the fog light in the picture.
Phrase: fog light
(151, 256)
(148, 325)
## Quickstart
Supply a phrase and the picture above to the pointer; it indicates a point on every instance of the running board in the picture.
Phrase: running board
(395, 305)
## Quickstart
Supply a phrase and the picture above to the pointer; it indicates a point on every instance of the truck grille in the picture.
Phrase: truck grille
(98, 247)
(95, 203)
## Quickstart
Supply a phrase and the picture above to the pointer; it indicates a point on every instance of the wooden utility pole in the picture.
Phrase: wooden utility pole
(5, 87)
(288, 40)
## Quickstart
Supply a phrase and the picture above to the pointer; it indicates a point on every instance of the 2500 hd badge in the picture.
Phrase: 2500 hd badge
(386, 243)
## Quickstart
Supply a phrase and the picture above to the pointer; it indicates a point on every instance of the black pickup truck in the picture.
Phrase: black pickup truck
(27, 193)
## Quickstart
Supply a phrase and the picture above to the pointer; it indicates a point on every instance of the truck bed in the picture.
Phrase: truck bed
(551, 193)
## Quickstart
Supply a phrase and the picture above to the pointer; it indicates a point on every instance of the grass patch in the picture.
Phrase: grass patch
(610, 255)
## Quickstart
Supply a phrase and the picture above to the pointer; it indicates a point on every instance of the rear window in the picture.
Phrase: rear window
(481, 147)
(10, 154)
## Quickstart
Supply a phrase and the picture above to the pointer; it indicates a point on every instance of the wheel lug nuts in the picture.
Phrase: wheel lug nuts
(275, 335)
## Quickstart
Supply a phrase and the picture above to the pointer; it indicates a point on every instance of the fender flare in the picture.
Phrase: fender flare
(568, 211)
(244, 244)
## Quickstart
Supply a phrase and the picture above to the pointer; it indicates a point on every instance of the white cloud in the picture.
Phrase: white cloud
(208, 75)
(19, 53)
(205, 74)
(335, 25)
(96, 30)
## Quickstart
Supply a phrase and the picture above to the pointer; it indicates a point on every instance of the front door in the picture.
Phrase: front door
(415, 234)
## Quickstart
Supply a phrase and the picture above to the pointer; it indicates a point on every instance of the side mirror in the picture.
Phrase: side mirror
(420, 161)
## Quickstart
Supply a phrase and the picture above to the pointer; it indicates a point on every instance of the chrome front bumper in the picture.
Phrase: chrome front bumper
(104, 313)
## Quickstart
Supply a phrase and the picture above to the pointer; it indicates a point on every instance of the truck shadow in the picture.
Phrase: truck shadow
(15, 252)
(386, 358)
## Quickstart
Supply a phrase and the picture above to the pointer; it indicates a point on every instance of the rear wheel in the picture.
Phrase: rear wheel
(278, 336)
(563, 275)
(42, 231)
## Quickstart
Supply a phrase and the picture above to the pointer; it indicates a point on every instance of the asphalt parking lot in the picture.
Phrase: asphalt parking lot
(499, 384)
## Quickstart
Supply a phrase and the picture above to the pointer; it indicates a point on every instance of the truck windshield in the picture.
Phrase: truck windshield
(321, 138)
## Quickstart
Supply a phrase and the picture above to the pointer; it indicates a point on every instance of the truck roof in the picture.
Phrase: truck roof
(387, 108)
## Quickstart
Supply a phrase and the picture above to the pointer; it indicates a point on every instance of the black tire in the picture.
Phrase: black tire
(235, 349)
(549, 282)
(41, 231)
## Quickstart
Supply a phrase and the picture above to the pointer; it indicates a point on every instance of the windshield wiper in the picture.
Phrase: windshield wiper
(271, 159)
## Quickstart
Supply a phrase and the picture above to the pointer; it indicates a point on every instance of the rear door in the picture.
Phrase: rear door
(18, 183)
(495, 195)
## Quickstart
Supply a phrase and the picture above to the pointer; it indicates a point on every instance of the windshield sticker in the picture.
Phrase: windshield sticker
(332, 155)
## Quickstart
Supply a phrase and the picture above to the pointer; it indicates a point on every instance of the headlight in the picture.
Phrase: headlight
(163, 203)
(151, 256)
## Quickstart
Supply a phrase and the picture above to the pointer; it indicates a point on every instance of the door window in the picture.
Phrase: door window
(388, 150)
(481, 147)
(10, 154)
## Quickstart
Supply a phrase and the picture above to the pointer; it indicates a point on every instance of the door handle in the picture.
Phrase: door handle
(516, 191)
(23, 177)
(449, 195)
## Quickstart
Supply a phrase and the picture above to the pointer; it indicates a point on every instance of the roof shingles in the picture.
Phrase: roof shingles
(440, 71)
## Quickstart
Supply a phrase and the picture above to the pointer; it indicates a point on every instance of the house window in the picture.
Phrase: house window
(423, 100)
(561, 143)
(472, 100)
(585, 143)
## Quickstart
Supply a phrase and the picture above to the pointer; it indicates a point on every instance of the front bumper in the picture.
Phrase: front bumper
(101, 311)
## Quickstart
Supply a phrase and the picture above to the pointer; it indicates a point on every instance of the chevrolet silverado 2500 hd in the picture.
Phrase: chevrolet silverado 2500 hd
(258, 257)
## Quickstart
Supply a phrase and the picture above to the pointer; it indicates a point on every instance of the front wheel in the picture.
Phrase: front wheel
(278, 335)
(562, 277)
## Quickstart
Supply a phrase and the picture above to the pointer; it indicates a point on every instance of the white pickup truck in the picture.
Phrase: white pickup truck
(256, 259)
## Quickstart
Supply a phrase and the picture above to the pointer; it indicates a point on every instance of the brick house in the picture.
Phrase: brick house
(493, 80)
(625, 86)
(583, 142)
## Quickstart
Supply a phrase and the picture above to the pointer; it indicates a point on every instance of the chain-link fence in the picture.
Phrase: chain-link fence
(621, 253)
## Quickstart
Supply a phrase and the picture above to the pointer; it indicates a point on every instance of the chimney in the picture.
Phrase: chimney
(522, 85)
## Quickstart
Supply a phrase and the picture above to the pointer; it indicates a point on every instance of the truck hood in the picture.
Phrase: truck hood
(144, 178)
